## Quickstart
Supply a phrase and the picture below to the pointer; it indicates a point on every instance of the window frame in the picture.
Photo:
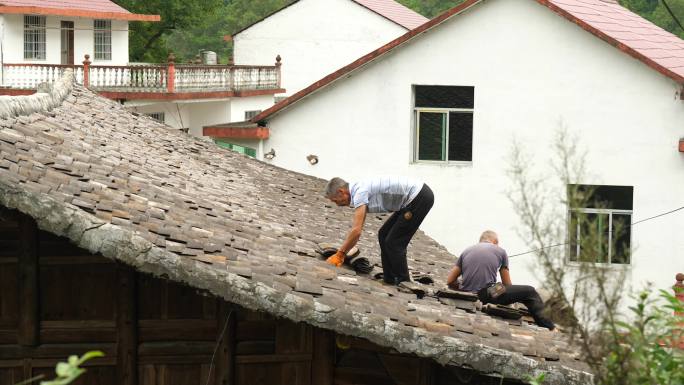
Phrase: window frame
(38, 29)
(415, 129)
(105, 33)
(576, 253)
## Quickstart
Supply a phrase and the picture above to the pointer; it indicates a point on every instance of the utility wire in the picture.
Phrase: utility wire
(669, 10)
(609, 231)
(218, 342)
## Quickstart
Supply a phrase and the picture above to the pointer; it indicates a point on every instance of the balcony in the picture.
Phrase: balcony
(154, 82)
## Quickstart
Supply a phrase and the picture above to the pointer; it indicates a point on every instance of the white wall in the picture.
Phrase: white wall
(193, 114)
(239, 106)
(13, 40)
(531, 70)
(314, 38)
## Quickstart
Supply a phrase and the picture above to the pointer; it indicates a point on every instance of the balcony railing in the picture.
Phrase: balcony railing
(168, 78)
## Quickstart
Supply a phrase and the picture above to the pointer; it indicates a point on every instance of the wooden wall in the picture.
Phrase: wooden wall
(57, 300)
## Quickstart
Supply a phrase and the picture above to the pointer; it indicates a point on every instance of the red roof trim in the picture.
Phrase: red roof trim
(681, 145)
(399, 20)
(77, 13)
(438, 20)
(622, 47)
(236, 132)
(364, 60)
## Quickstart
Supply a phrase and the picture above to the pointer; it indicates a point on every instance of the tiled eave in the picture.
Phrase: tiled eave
(233, 132)
(77, 13)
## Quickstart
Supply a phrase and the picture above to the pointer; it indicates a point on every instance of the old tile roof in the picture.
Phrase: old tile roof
(627, 31)
(389, 9)
(83, 8)
(132, 189)
(395, 12)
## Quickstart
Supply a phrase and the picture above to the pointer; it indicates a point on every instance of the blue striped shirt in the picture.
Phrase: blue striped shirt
(384, 194)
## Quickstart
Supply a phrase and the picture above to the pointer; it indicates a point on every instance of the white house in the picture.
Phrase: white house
(445, 101)
(38, 39)
(315, 37)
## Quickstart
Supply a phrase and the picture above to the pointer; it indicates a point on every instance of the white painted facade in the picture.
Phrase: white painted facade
(532, 71)
(314, 38)
(12, 38)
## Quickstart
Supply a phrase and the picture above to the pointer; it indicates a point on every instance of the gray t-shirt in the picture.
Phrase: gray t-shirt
(384, 194)
(480, 264)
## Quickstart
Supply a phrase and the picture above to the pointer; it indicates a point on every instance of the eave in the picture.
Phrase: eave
(231, 132)
(31, 10)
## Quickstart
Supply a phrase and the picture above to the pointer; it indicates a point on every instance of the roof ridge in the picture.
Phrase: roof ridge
(45, 99)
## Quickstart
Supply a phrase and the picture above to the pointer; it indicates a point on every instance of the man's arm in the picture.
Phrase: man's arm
(505, 276)
(453, 276)
(357, 227)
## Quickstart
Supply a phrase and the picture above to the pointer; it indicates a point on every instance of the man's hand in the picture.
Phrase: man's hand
(337, 259)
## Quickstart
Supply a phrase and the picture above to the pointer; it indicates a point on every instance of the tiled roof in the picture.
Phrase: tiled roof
(606, 19)
(78, 8)
(134, 190)
(395, 12)
(88, 5)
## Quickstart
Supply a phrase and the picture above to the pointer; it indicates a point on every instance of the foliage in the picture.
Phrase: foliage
(226, 19)
(147, 41)
(642, 354)
(621, 349)
(430, 8)
(69, 371)
(539, 380)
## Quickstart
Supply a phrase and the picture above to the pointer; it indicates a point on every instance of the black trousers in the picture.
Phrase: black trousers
(395, 235)
(524, 294)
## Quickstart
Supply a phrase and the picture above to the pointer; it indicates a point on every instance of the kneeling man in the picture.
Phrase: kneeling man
(479, 264)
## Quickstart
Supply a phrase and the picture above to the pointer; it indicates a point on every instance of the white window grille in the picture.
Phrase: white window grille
(103, 39)
(443, 124)
(250, 114)
(158, 116)
(599, 224)
(34, 37)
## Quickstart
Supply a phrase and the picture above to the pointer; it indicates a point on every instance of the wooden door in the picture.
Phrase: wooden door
(67, 38)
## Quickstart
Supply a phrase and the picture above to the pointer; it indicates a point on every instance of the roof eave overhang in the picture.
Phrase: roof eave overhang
(10, 9)
(233, 132)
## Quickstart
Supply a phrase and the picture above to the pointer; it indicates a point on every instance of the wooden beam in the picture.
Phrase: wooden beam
(29, 317)
(323, 363)
(224, 362)
(126, 327)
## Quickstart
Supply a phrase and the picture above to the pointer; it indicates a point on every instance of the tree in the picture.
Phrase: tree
(146, 41)
(656, 12)
(621, 349)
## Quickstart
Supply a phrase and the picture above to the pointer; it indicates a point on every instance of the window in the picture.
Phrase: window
(599, 228)
(443, 123)
(250, 152)
(158, 116)
(34, 37)
(250, 114)
(103, 39)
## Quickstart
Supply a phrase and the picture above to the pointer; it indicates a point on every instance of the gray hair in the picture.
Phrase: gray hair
(489, 236)
(334, 185)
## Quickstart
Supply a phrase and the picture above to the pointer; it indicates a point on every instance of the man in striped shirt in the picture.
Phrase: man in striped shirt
(407, 199)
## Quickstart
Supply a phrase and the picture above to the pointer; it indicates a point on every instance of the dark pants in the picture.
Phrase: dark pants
(524, 294)
(395, 235)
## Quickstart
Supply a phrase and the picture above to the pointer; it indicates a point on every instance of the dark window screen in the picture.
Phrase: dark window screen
(431, 136)
(460, 136)
(606, 197)
(445, 96)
